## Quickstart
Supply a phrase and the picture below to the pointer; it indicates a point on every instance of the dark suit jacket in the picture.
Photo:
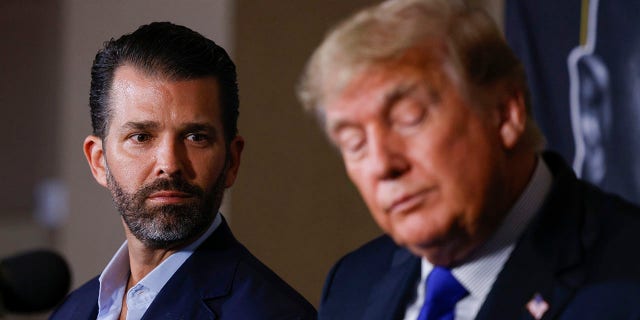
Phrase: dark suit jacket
(221, 280)
(580, 253)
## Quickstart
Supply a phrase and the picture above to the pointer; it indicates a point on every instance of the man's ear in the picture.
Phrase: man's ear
(94, 152)
(235, 152)
(513, 118)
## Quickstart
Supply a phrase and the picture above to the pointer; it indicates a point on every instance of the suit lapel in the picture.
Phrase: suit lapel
(207, 275)
(87, 305)
(390, 294)
(547, 260)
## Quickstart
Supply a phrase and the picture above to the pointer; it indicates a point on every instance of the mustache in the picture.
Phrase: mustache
(176, 184)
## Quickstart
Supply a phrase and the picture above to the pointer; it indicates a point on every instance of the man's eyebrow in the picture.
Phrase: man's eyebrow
(398, 92)
(336, 126)
(140, 125)
(201, 127)
(197, 126)
(153, 125)
(389, 99)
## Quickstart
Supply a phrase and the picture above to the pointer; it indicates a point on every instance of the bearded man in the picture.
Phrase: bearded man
(164, 110)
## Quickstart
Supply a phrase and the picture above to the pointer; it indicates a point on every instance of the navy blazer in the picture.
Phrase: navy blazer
(221, 280)
(579, 253)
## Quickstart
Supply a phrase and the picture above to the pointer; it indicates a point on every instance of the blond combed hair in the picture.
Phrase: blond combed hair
(381, 34)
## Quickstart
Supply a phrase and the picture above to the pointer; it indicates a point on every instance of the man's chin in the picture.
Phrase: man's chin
(166, 231)
(443, 253)
(169, 207)
(436, 251)
(166, 243)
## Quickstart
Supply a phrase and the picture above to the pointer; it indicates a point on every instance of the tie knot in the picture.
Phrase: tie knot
(443, 291)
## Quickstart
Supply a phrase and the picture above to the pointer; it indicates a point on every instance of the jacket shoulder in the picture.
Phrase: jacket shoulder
(353, 273)
(610, 234)
(352, 279)
(375, 254)
(259, 293)
(81, 303)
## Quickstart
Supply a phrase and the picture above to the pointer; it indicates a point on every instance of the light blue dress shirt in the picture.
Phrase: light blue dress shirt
(113, 280)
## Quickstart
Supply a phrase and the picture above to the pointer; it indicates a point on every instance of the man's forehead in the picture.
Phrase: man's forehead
(134, 84)
(135, 96)
(379, 81)
(431, 62)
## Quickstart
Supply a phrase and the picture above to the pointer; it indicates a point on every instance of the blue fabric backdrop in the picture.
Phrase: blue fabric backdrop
(583, 63)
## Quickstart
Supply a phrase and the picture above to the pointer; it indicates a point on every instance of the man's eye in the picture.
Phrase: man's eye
(197, 137)
(350, 140)
(407, 114)
(140, 137)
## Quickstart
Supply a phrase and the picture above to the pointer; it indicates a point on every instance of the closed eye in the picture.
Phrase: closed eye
(406, 114)
(410, 105)
(350, 140)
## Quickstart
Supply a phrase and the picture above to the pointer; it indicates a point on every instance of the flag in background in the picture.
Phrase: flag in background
(582, 59)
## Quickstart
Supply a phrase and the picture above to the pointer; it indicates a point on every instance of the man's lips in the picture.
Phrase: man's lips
(169, 196)
(407, 202)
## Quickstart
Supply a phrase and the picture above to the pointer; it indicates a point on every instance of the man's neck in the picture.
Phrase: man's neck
(142, 259)
(515, 178)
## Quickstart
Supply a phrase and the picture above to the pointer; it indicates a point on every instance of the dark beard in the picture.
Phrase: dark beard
(167, 226)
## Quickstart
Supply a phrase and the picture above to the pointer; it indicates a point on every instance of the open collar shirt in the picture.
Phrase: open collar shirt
(113, 280)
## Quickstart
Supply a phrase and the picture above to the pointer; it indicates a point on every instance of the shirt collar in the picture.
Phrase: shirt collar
(480, 271)
(113, 279)
(158, 277)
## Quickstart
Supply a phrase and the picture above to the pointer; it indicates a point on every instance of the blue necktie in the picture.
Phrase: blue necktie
(443, 291)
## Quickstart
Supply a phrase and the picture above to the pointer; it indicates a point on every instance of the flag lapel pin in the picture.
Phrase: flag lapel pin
(537, 306)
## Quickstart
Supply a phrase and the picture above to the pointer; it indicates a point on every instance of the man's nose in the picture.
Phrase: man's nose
(386, 157)
(170, 157)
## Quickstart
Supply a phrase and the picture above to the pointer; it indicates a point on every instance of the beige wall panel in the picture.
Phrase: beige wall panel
(293, 205)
